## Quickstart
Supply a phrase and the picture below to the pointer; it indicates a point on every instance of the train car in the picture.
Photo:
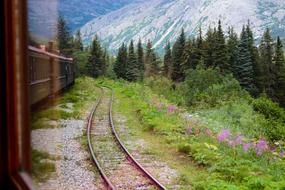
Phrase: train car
(49, 74)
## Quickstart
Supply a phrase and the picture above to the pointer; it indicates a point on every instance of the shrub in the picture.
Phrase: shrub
(275, 117)
(208, 88)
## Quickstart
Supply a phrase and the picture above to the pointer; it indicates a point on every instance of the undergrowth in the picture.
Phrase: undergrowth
(42, 165)
(243, 159)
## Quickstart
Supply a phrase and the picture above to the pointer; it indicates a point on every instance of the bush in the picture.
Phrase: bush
(208, 88)
(275, 116)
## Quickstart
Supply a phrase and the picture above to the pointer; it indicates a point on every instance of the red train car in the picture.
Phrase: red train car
(49, 74)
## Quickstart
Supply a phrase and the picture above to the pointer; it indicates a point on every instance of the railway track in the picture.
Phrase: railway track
(117, 167)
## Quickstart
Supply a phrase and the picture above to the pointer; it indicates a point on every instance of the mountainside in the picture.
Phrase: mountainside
(162, 20)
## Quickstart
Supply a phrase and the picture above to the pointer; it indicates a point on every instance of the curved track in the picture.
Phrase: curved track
(117, 167)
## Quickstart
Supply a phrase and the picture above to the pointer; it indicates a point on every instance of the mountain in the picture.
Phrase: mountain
(43, 14)
(162, 20)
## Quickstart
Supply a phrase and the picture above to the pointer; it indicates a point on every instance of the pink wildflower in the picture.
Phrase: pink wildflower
(171, 109)
(261, 147)
(246, 147)
(224, 135)
(238, 140)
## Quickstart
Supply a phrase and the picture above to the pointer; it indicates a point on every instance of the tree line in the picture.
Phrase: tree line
(259, 69)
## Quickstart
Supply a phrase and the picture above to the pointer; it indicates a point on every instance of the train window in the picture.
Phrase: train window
(50, 64)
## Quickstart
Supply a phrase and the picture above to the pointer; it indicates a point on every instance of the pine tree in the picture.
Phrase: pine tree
(243, 66)
(64, 37)
(232, 45)
(220, 51)
(140, 54)
(209, 45)
(177, 58)
(151, 63)
(279, 78)
(96, 65)
(266, 64)
(132, 70)
(167, 61)
(254, 58)
(77, 42)
(121, 62)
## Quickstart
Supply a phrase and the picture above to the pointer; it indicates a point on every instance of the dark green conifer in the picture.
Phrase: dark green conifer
(232, 45)
(266, 64)
(121, 62)
(254, 58)
(64, 37)
(167, 61)
(140, 54)
(151, 63)
(220, 52)
(96, 66)
(209, 45)
(243, 66)
(279, 82)
(177, 58)
(132, 70)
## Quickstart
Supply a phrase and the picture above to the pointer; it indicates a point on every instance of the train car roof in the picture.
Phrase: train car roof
(41, 51)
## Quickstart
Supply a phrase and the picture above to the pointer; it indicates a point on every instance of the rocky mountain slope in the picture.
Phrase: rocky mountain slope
(162, 20)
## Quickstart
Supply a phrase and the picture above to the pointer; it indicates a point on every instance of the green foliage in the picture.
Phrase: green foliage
(132, 67)
(167, 63)
(220, 60)
(279, 82)
(177, 58)
(244, 67)
(81, 59)
(266, 63)
(275, 116)
(97, 64)
(140, 54)
(151, 61)
(121, 62)
(42, 165)
(207, 87)
(64, 37)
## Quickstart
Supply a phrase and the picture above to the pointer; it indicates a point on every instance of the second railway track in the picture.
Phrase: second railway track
(118, 169)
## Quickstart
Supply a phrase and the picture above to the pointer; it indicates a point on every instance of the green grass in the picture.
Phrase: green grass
(42, 165)
(201, 161)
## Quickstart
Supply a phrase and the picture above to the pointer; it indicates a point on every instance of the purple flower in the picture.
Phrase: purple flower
(261, 146)
(171, 109)
(282, 154)
(224, 135)
(246, 146)
(237, 141)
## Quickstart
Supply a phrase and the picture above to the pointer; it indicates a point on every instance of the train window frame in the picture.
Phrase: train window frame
(16, 149)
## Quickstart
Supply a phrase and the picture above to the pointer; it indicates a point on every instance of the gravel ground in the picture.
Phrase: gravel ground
(138, 148)
(122, 173)
(72, 166)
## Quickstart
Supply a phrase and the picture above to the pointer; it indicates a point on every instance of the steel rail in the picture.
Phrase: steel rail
(108, 183)
(131, 158)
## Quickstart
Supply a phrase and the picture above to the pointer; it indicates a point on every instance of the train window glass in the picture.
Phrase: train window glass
(50, 63)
